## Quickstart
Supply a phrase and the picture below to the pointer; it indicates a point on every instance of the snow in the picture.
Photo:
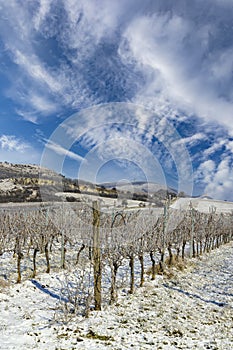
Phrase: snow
(191, 310)
(147, 187)
(6, 185)
(106, 202)
(203, 205)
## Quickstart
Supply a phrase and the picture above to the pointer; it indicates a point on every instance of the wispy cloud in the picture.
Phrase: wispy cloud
(116, 132)
(177, 51)
(191, 140)
(58, 149)
(35, 69)
(44, 8)
(15, 150)
(173, 57)
(12, 143)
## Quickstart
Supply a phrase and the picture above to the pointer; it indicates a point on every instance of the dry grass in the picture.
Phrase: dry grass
(172, 268)
(4, 285)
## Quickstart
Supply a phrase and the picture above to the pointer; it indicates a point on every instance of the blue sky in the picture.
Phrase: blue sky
(120, 90)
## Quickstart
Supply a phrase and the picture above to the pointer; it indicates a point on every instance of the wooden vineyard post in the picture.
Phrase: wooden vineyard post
(62, 238)
(191, 231)
(161, 263)
(97, 256)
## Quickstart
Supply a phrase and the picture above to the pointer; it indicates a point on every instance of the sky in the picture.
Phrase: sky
(125, 90)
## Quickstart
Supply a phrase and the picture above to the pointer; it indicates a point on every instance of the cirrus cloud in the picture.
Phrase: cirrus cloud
(172, 56)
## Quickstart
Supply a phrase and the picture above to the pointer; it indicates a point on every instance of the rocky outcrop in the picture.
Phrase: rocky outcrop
(28, 183)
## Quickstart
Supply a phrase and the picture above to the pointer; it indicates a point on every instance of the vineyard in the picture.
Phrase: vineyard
(103, 251)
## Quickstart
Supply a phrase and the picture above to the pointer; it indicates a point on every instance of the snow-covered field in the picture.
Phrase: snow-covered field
(203, 205)
(191, 310)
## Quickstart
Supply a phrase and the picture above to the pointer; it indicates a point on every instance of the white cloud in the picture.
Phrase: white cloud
(40, 15)
(174, 49)
(128, 154)
(116, 131)
(42, 104)
(192, 140)
(36, 70)
(217, 178)
(180, 51)
(89, 22)
(169, 56)
(12, 143)
(229, 146)
(221, 184)
(63, 152)
(29, 116)
(206, 171)
(16, 150)
(218, 144)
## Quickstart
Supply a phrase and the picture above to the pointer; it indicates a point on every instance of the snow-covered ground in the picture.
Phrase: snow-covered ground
(203, 205)
(105, 201)
(191, 310)
(6, 185)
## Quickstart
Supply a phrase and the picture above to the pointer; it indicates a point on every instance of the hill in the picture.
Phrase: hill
(33, 183)
(23, 183)
(204, 205)
(141, 190)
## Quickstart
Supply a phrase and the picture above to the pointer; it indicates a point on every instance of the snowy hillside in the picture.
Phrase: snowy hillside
(139, 187)
(203, 205)
(9, 170)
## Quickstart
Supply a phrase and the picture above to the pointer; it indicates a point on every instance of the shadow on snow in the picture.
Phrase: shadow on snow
(42, 288)
(191, 295)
